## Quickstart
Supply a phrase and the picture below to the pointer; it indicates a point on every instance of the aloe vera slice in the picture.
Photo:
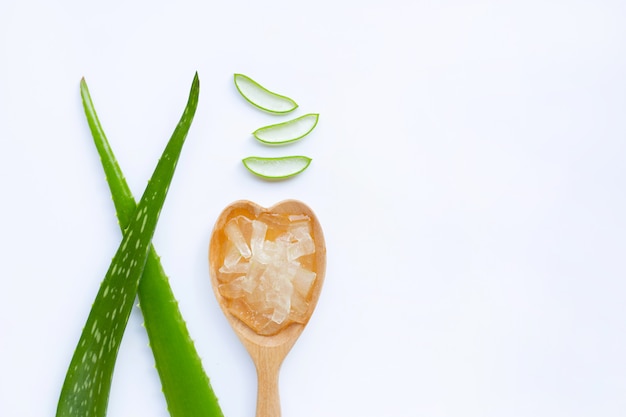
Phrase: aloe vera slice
(186, 387)
(87, 384)
(261, 97)
(276, 168)
(286, 132)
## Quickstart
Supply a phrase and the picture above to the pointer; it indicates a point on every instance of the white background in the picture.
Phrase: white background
(468, 171)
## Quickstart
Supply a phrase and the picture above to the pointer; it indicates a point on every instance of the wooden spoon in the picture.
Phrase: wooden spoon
(267, 352)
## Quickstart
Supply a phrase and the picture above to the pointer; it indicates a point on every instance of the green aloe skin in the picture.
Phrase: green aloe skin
(136, 270)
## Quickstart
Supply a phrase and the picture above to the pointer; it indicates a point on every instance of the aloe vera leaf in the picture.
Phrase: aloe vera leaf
(87, 384)
(186, 386)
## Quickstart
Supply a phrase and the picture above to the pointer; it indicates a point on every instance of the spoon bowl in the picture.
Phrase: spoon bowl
(267, 350)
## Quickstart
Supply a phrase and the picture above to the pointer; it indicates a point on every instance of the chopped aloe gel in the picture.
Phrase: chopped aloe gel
(259, 229)
(276, 168)
(233, 231)
(286, 132)
(274, 286)
(261, 97)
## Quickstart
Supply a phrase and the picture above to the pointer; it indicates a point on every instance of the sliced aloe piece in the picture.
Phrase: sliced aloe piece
(286, 132)
(261, 97)
(276, 168)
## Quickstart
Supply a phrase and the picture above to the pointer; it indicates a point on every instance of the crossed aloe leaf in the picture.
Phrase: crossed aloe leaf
(136, 270)
(283, 133)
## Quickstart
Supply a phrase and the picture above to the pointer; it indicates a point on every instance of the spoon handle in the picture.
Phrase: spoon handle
(268, 399)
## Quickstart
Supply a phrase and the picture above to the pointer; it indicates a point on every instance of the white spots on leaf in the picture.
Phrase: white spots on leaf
(142, 212)
(143, 223)
(112, 344)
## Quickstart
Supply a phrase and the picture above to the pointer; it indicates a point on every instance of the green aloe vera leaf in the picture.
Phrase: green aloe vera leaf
(287, 132)
(261, 97)
(276, 168)
(87, 384)
(186, 386)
